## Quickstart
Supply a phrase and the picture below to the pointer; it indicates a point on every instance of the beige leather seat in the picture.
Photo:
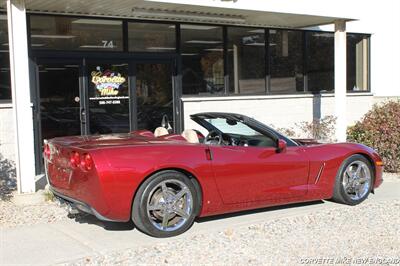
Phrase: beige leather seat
(160, 131)
(190, 135)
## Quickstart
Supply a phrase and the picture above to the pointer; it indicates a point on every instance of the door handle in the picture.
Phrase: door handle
(209, 156)
(83, 115)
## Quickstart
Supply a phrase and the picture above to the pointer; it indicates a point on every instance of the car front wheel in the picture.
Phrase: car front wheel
(354, 180)
(166, 204)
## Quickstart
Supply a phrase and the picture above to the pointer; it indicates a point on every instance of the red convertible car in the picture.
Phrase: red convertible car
(164, 181)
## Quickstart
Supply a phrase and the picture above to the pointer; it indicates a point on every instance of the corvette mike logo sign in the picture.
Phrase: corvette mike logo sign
(107, 82)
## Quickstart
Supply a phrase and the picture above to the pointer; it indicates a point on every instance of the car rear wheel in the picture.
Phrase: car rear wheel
(354, 180)
(166, 204)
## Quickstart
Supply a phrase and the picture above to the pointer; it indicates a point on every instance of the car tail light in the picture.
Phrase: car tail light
(87, 162)
(46, 151)
(75, 159)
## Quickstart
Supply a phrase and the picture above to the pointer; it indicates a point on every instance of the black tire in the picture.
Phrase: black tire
(339, 194)
(140, 215)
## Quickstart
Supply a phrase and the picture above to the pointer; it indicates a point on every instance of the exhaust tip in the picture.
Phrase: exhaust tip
(72, 210)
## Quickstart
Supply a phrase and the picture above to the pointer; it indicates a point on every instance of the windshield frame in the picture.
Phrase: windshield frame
(200, 119)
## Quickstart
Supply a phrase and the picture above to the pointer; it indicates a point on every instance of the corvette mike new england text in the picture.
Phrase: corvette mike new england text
(352, 260)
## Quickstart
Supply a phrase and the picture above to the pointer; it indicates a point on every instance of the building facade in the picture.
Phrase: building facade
(98, 67)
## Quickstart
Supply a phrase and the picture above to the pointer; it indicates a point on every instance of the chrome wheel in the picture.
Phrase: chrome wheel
(356, 180)
(169, 205)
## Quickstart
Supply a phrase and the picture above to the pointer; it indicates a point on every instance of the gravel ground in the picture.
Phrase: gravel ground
(391, 177)
(369, 230)
(12, 215)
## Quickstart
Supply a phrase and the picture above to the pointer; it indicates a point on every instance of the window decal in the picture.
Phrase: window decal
(107, 82)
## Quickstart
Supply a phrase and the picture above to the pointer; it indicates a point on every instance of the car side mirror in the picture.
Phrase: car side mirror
(281, 146)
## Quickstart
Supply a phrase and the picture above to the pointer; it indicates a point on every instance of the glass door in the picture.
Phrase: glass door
(154, 94)
(108, 97)
(59, 99)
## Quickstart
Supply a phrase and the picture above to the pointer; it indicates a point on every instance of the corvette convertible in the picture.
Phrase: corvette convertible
(163, 181)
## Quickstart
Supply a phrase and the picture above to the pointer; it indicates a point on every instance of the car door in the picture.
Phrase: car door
(246, 174)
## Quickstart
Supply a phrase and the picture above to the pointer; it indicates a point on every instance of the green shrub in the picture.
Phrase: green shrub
(380, 129)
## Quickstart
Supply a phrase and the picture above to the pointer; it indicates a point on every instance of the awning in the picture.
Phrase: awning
(216, 11)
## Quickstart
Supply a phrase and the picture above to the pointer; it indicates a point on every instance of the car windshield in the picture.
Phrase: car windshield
(237, 133)
(232, 127)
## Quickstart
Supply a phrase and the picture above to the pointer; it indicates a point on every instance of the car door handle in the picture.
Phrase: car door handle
(209, 156)
(83, 115)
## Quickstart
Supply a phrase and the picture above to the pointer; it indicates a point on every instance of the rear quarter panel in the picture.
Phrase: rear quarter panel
(125, 168)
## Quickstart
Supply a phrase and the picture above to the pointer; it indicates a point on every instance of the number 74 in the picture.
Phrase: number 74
(107, 44)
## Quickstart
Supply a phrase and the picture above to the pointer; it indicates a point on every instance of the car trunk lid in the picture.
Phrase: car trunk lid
(98, 141)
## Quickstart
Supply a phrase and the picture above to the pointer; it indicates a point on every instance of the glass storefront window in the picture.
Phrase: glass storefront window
(202, 57)
(151, 37)
(5, 84)
(66, 33)
(320, 61)
(108, 98)
(292, 53)
(357, 62)
(246, 60)
(286, 61)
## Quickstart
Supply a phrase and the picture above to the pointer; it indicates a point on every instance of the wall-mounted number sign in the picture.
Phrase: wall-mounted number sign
(108, 44)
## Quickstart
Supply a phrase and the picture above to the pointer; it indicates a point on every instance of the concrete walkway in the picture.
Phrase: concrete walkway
(49, 244)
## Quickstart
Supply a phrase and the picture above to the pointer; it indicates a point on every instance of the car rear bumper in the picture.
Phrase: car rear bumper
(79, 205)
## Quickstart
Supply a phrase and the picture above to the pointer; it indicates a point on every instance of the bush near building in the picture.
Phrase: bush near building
(380, 129)
(322, 129)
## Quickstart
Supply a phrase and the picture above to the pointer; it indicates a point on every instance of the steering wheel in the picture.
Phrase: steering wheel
(213, 137)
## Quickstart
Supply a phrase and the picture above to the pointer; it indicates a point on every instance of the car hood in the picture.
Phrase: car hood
(306, 142)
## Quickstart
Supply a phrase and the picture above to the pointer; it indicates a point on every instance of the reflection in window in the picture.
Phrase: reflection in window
(202, 57)
(235, 127)
(151, 37)
(357, 62)
(286, 61)
(320, 64)
(154, 95)
(246, 60)
(5, 88)
(245, 135)
(59, 101)
(66, 33)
